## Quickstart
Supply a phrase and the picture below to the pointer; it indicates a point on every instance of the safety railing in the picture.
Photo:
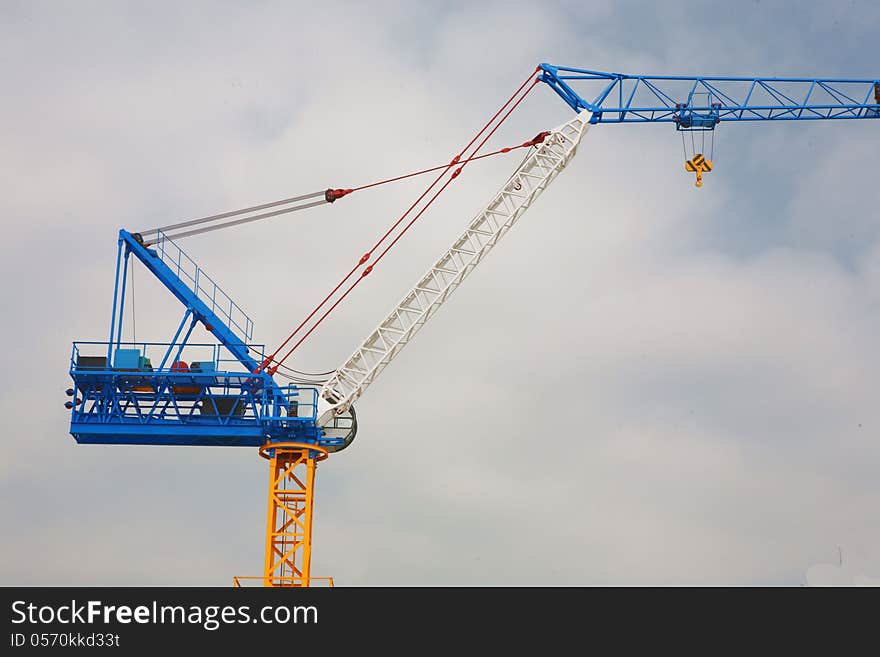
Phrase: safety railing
(203, 285)
(300, 403)
(155, 353)
(155, 387)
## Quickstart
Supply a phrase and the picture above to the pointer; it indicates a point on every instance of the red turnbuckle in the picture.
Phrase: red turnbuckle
(332, 194)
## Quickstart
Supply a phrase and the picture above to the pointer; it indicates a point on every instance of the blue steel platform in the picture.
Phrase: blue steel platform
(172, 407)
(197, 394)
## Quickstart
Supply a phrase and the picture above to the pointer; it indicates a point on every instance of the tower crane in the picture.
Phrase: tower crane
(229, 393)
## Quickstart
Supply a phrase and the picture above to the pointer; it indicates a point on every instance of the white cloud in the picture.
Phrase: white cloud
(643, 384)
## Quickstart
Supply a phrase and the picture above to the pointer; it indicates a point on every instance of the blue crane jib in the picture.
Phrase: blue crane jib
(148, 394)
(700, 103)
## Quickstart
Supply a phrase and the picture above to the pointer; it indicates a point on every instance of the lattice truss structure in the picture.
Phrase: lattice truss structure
(703, 102)
(289, 522)
(520, 191)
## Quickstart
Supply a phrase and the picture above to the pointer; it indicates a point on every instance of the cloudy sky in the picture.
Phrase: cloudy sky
(644, 384)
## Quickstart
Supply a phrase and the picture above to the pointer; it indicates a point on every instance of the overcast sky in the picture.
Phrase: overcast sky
(644, 384)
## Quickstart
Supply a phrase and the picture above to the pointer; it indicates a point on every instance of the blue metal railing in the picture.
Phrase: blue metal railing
(155, 351)
(202, 285)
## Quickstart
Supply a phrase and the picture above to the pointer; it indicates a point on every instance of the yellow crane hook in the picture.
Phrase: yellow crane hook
(699, 165)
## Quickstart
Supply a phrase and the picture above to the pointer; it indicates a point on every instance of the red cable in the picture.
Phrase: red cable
(456, 173)
(437, 168)
(369, 269)
(367, 255)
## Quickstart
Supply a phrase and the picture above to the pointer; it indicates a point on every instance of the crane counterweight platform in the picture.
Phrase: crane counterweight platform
(226, 393)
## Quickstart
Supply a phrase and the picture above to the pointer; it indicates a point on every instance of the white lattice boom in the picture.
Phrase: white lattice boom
(538, 169)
